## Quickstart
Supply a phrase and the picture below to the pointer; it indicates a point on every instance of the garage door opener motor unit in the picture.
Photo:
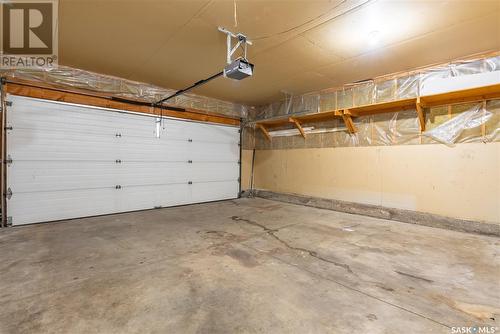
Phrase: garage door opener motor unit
(237, 69)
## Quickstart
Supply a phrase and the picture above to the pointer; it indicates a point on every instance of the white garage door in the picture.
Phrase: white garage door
(71, 161)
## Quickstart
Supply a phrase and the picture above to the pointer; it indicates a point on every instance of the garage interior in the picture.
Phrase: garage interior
(344, 177)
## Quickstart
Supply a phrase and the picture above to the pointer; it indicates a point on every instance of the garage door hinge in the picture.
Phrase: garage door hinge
(239, 162)
(9, 221)
(190, 140)
(190, 161)
(8, 103)
(118, 135)
(8, 194)
(118, 161)
(118, 187)
(8, 128)
(8, 161)
(190, 182)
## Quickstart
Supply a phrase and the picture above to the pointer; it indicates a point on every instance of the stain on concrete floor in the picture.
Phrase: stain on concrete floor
(255, 267)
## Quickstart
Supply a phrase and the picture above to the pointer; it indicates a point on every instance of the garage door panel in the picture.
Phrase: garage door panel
(181, 131)
(80, 153)
(152, 141)
(58, 205)
(56, 125)
(149, 176)
(202, 172)
(154, 196)
(199, 132)
(33, 176)
(165, 173)
(77, 119)
(215, 152)
(165, 151)
(222, 134)
(31, 134)
(173, 150)
(25, 146)
(147, 173)
(82, 121)
(72, 161)
(27, 136)
(214, 191)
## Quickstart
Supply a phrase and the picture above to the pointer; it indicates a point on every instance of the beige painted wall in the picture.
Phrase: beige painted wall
(461, 181)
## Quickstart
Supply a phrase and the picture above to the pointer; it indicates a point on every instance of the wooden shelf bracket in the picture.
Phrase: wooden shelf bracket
(264, 131)
(421, 115)
(299, 127)
(346, 116)
(414, 103)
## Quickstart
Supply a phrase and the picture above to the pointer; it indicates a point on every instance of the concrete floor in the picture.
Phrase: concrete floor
(245, 266)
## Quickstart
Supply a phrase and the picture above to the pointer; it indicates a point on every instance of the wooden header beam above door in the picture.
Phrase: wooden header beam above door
(54, 94)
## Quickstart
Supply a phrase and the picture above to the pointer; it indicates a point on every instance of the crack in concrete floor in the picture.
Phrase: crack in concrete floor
(356, 290)
(271, 232)
(236, 230)
(312, 253)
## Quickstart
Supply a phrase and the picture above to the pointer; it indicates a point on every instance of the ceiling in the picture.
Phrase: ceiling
(299, 46)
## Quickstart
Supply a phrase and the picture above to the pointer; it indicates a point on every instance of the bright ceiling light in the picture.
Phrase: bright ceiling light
(378, 24)
(374, 38)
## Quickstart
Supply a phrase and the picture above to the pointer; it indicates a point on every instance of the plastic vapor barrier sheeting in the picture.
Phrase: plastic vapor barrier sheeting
(378, 90)
(67, 77)
(449, 124)
(467, 123)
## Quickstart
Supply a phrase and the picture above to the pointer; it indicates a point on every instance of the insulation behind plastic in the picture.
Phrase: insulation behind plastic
(67, 77)
(383, 89)
(466, 123)
(462, 123)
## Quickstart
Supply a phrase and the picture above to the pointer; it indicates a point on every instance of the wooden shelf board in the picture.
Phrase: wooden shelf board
(320, 117)
(461, 96)
(380, 108)
(316, 117)
(273, 123)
